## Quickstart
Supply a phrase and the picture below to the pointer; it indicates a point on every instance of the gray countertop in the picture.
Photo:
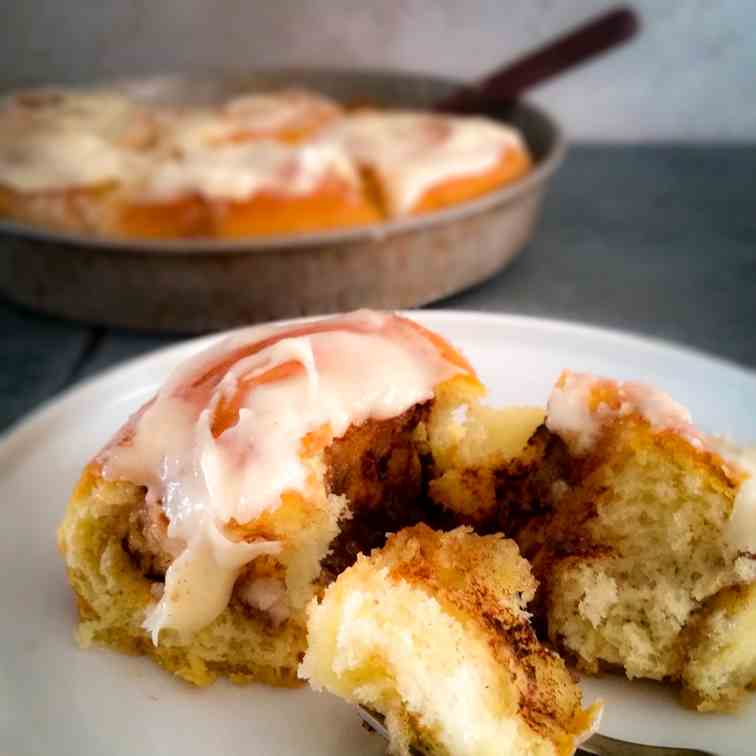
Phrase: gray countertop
(658, 240)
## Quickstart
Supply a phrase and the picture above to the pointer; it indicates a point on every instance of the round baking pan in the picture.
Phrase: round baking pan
(203, 285)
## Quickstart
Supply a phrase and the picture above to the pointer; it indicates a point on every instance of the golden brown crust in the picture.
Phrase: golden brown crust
(80, 210)
(186, 217)
(514, 164)
(334, 204)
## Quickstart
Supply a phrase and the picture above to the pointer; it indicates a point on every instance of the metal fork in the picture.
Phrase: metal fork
(598, 745)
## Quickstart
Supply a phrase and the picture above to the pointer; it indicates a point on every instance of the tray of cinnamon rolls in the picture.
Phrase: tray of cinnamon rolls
(192, 204)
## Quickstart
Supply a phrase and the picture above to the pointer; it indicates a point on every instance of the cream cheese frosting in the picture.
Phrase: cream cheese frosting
(59, 139)
(274, 111)
(240, 171)
(249, 116)
(411, 152)
(221, 442)
(571, 413)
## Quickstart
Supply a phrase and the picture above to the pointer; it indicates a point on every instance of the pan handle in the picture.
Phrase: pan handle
(505, 85)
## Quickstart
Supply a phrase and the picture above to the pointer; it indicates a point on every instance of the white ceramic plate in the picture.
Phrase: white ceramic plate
(61, 700)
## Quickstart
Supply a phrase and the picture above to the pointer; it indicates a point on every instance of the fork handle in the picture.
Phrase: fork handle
(601, 745)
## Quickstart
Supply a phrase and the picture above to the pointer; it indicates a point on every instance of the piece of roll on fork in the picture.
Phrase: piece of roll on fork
(432, 632)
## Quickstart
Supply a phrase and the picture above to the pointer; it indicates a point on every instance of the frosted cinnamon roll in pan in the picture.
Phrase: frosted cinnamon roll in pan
(254, 165)
(287, 115)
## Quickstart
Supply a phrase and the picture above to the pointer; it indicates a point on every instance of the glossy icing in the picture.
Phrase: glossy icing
(223, 439)
(240, 171)
(54, 140)
(411, 152)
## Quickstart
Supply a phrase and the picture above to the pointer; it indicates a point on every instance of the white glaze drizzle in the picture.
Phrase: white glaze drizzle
(571, 416)
(411, 152)
(58, 139)
(240, 171)
(360, 366)
(247, 117)
(62, 139)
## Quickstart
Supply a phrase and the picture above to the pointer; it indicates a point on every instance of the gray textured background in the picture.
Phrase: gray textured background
(691, 76)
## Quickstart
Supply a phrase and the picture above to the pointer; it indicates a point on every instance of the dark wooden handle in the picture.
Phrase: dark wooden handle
(506, 84)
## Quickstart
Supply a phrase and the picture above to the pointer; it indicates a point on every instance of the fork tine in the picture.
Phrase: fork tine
(596, 745)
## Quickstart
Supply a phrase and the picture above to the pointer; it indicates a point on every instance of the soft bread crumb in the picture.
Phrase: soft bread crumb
(721, 661)
(632, 558)
(468, 449)
(629, 543)
(432, 632)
